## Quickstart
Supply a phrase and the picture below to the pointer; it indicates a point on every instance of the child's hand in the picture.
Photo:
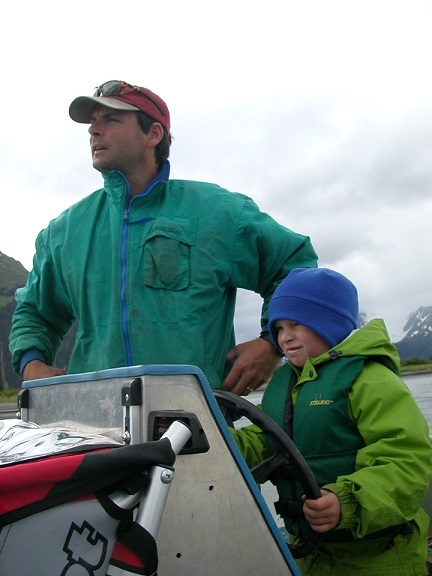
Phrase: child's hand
(324, 513)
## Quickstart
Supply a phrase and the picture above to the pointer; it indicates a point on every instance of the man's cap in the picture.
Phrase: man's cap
(119, 95)
(321, 299)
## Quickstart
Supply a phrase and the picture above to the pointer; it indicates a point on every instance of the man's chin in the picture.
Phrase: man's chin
(101, 167)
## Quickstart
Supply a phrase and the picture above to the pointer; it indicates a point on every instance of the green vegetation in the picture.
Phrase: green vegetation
(9, 395)
(416, 365)
(12, 275)
(5, 300)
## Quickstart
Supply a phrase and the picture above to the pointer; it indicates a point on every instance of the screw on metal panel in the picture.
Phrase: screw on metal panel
(126, 397)
(166, 476)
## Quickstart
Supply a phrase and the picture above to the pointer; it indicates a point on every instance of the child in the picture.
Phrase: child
(357, 425)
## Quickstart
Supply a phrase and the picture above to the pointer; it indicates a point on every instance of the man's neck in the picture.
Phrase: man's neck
(138, 182)
(142, 185)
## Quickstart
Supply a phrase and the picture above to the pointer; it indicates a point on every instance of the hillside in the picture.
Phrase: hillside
(13, 275)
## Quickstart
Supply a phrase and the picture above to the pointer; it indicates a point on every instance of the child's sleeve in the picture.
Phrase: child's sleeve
(252, 444)
(394, 468)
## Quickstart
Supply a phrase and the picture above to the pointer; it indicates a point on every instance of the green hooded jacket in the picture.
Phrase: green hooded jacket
(151, 280)
(391, 472)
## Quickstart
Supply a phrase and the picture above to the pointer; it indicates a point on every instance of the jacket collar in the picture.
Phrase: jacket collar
(117, 187)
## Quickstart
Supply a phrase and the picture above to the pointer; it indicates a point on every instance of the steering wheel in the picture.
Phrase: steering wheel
(287, 454)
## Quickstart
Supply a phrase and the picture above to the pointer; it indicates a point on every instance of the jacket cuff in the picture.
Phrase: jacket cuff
(348, 504)
(266, 336)
(28, 356)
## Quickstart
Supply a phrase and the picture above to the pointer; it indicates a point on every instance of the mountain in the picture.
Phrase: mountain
(13, 275)
(417, 341)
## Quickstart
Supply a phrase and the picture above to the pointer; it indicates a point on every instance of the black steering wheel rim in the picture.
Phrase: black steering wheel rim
(286, 453)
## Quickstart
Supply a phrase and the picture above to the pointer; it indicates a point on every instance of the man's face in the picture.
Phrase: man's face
(117, 141)
(299, 342)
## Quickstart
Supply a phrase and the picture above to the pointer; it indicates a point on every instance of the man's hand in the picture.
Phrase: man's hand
(36, 369)
(323, 514)
(254, 364)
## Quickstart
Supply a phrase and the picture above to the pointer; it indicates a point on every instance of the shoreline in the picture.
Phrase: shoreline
(416, 373)
(402, 375)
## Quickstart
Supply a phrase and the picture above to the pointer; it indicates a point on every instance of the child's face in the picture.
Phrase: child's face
(299, 342)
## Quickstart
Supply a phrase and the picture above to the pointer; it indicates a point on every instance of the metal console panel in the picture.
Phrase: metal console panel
(216, 520)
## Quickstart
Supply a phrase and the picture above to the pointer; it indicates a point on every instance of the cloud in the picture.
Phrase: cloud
(320, 111)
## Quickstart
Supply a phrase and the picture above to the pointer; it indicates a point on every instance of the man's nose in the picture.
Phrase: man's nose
(94, 128)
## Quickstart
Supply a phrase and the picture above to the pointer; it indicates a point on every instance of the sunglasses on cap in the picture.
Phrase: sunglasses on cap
(118, 87)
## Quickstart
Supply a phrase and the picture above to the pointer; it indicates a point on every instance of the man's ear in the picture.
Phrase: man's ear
(155, 134)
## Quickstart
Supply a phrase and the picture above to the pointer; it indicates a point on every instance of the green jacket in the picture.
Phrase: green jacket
(392, 467)
(151, 281)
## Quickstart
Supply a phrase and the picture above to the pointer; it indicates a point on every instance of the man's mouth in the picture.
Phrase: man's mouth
(98, 151)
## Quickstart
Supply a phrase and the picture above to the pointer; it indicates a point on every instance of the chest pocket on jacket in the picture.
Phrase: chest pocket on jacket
(167, 253)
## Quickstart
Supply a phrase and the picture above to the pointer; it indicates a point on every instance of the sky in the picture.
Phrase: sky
(321, 111)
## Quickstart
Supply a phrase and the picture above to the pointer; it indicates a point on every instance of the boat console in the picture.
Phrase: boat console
(215, 520)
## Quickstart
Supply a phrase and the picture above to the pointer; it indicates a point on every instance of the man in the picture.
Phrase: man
(148, 267)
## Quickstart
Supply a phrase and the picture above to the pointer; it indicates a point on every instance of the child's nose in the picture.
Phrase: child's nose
(285, 336)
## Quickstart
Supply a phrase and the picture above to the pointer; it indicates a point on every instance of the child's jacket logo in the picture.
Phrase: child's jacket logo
(320, 402)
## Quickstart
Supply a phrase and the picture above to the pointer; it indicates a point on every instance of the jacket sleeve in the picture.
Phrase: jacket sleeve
(265, 252)
(38, 323)
(394, 468)
(252, 444)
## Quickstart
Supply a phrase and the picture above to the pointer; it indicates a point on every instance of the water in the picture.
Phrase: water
(421, 389)
(420, 386)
